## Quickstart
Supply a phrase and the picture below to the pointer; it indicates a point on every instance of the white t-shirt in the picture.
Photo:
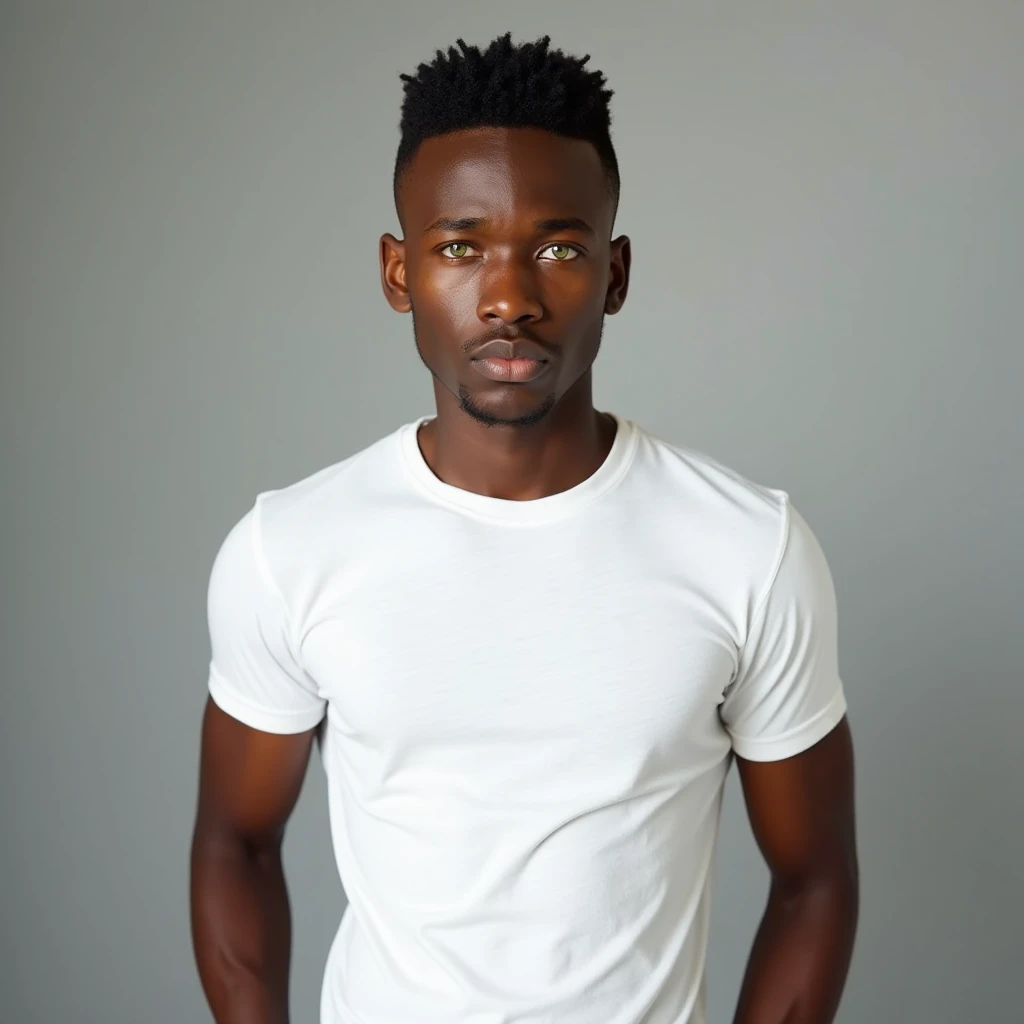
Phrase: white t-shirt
(531, 708)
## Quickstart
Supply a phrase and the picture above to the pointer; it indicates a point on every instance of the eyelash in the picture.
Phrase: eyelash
(458, 259)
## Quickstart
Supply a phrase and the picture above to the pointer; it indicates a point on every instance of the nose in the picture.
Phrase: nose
(510, 294)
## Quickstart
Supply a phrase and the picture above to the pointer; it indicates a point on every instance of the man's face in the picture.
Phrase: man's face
(507, 236)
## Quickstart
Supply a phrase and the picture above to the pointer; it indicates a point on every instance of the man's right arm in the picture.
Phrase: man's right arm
(249, 782)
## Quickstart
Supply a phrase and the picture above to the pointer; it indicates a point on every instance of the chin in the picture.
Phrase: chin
(505, 414)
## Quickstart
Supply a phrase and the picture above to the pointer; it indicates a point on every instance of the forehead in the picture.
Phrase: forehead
(504, 174)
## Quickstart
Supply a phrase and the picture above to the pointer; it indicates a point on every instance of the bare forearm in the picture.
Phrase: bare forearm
(801, 954)
(241, 931)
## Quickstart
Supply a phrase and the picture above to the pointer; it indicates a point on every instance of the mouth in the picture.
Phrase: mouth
(511, 361)
(510, 371)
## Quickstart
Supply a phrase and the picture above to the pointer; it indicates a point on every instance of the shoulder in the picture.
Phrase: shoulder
(327, 491)
(294, 525)
(334, 494)
(725, 511)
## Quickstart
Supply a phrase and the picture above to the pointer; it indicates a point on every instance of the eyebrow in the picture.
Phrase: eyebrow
(472, 223)
(564, 224)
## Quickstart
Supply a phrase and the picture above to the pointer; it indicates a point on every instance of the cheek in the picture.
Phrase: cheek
(576, 291)
(578, 304)
(445, 301)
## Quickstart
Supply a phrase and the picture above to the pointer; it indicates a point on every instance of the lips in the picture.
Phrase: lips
(507, 348)
(512, 362)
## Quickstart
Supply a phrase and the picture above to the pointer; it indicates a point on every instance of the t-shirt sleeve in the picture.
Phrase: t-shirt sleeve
(255, 674)
(787, 693)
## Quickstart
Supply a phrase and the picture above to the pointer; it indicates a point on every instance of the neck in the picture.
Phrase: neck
(518, 463)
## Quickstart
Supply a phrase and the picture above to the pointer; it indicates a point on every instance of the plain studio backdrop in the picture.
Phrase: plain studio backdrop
(826, 209)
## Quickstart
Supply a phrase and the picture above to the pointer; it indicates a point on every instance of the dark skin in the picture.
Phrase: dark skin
(513, 441)
(249, 782)
(490, 217)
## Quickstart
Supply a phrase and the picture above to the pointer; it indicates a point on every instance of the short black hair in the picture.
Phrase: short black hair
(507, 85)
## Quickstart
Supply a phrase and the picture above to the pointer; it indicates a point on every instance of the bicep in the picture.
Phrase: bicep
(801, 808)
(249, 780)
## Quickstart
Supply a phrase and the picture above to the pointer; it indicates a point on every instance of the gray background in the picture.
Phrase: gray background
(825, 206)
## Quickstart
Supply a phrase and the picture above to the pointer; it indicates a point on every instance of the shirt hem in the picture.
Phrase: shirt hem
(278, 722)
(796, 741)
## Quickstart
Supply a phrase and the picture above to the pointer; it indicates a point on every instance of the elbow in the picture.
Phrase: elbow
(218, 838)
(831, 886)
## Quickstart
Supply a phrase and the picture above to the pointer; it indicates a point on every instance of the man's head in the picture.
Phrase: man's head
(506, 186)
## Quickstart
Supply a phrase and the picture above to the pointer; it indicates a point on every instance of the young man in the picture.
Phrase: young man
(535, 635)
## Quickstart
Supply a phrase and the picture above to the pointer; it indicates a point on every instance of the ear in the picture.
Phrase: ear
(618, 275)
(392, 273)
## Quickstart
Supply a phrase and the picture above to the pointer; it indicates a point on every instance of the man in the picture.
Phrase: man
(530, 636)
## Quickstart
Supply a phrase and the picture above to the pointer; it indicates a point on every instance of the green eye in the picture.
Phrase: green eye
(456, 249)
(561, 252)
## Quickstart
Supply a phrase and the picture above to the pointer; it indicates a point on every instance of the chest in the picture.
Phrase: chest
(598, 654)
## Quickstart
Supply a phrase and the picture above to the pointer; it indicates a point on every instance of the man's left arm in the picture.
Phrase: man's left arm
(801, 811)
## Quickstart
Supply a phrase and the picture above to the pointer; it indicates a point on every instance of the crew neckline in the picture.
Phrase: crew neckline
(513, 513)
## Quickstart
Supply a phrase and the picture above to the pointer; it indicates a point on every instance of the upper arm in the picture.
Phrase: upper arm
(786, 715)
(787, 693)
(801, 809)
(263, 708)
(256, 671)
(249, 780)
